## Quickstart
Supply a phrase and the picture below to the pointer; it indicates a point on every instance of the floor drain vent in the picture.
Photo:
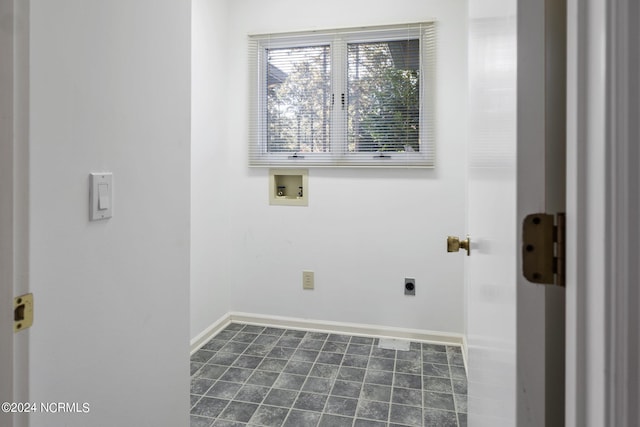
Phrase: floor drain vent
(394, 344)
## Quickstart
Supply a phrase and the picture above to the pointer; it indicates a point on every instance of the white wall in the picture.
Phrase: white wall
(209, 166)
(110, 90)
(364, 230)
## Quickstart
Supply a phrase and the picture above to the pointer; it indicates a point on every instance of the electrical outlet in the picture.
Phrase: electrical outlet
(307, 280)
(409, 286)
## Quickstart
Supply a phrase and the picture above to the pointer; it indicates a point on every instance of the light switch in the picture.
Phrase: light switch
(100, 196)
(103, 197)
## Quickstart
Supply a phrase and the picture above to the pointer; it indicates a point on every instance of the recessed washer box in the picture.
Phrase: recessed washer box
(289, 187)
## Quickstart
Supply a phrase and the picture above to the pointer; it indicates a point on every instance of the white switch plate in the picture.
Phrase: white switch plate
(100, 196)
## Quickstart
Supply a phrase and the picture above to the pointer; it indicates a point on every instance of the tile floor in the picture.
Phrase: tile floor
(256, 376)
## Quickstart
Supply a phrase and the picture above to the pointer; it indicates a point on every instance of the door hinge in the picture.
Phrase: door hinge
(22, 312)
(543, 248)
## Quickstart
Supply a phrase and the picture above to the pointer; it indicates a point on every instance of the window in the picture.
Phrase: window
(359, 97)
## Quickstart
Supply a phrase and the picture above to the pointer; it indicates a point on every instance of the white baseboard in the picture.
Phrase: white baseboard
(203, 337)
(346, 328)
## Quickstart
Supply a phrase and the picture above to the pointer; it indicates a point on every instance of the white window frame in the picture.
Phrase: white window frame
(338, 41)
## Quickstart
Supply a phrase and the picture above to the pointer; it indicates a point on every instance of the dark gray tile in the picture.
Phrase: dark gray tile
(225, 359)
(281, 397)
(269, 416)
(250, 362)
(305, 355)
(338, 338)
(295, 333)
(253, 329)
(329, 420)
(409, 367)
(193, 399)
(441, 385)
(302, 418)
(212, 372)
(200, 421)
(344, 406)
(324, 371)
(311, 344)
(381, 364)
(455, 359)
(438, 401)
(239, 411)
(406, 415)
(369, 423)
(454, 349)
(459, 386)
(234, 347)
(194, 367)
(223, 390)
(310, 402)
(273, 331)
(209, 407)
(202, 356)
(415, 346)
(407, 396)
(298, 368)
(263, 378)
(362, 340)
(258, 350)
(440, 358)
(434, 348)
(355, 361)
(236, 375)
(329, 358)
(227, 423)
(439, 418)
(317, 336)
(435, 370)
(225, 335)
(252, 393)
(408, 355)
(281, 353)
(317, 385)
(346, 389)
(273, 365)
(348, 373)
(378, 377)
(461, 402)
(266, 340)
(335, 347)
(290, 342)
(290, 381)
(407, 381)
(383, 352)
(381, 393)
(458, 372)
(234, 327)
(244, 337)
(373, 410)
(201, 385)
(462, 420)
(361, 350)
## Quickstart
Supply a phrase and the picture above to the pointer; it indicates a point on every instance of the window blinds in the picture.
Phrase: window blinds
(355, 97)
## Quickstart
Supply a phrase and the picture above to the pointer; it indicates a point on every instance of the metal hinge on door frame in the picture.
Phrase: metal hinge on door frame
(543, 248)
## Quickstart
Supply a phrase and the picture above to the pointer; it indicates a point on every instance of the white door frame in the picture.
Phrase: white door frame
(6, 207)
(602, 213)
(14, 200)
